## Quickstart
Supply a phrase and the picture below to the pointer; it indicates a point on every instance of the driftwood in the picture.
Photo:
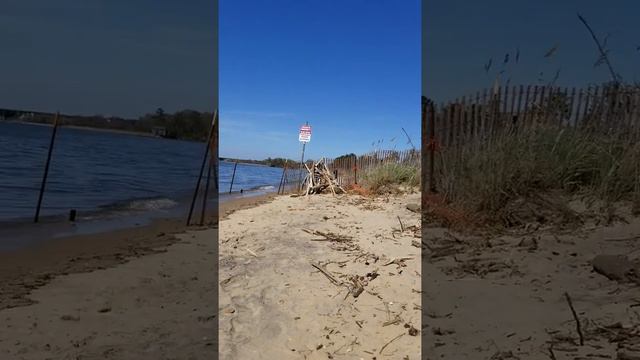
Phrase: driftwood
(319, 178)
(355, 287)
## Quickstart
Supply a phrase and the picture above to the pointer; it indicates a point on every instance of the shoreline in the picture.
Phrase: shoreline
(27, 268)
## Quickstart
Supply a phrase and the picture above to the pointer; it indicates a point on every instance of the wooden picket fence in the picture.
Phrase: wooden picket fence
(350, 170)
(480, 118)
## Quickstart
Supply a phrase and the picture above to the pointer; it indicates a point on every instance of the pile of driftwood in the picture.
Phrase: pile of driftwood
(319, 179)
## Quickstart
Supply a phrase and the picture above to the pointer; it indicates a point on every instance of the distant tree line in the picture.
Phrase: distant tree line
(183, 124)
(277, 162)
(346, 156)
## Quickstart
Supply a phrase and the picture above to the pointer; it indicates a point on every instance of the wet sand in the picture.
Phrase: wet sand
(142, 293)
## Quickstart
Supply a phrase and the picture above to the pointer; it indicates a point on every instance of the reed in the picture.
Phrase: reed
(566, 163)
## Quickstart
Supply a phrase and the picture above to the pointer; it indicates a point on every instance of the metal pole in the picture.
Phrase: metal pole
(302, 162)
(301, 166)
(204, 162)
(215, 176)
(46, 167)
(285, 182)
(206, 194)
(282, 178)
(233, 176)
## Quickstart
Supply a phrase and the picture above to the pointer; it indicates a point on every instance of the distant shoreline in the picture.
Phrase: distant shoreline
(88, 128)
(138, 133)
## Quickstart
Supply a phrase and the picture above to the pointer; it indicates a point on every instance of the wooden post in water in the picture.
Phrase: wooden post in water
(204, 162)
(46, 167)
(233, 176)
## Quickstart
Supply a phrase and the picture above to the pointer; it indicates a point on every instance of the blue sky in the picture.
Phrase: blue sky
(117, 57)
(349, 68)
(460, 36)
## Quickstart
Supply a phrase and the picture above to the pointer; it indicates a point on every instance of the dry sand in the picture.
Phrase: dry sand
(503, 297)
(275, 305)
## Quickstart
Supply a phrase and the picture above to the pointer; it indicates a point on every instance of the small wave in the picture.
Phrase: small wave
(142, 204)
(153, 204)
(266, 187)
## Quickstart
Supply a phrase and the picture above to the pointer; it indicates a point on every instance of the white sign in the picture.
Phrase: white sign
(305, 134)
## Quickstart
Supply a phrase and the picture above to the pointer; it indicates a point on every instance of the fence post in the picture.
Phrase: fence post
(432, 150)
(206, 194)
(46, 167)
(204, 162)
(233, 176)
(282, 178)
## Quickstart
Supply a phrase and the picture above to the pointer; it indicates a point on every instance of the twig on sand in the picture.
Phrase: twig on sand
(386, 306)
(328, 275)
(552, 355)
(398, 261)
(390, 341)
(328, 236)
(575, 316)
(401, 226)
(396, 320)
(252, 253)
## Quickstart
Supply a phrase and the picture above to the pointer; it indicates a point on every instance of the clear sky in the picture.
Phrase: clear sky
(110, 57)
(460, 36)
(349, 68)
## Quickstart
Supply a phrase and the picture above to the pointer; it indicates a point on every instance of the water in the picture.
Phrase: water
(102, 174)
(249, 177)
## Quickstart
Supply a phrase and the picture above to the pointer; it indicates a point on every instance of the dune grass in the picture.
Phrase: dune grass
(514, 166)
(389, 177)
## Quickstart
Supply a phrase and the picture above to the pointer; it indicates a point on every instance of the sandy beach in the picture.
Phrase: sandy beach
(150, 293)
(140, 293)
(321, 277)
(511, 296)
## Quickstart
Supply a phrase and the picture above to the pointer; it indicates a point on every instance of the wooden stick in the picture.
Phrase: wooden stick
(575, 317)
(390, 341)
(328, 275)
(552, 355)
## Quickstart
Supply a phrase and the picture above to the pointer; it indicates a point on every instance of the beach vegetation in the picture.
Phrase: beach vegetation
(392, 177)
(534, 175)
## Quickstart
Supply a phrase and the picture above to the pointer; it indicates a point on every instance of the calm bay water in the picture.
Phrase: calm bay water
(102, 173)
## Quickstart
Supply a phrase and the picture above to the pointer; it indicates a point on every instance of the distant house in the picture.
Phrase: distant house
(159, 131)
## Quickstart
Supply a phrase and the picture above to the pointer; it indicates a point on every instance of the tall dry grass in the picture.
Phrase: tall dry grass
(392, 177)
